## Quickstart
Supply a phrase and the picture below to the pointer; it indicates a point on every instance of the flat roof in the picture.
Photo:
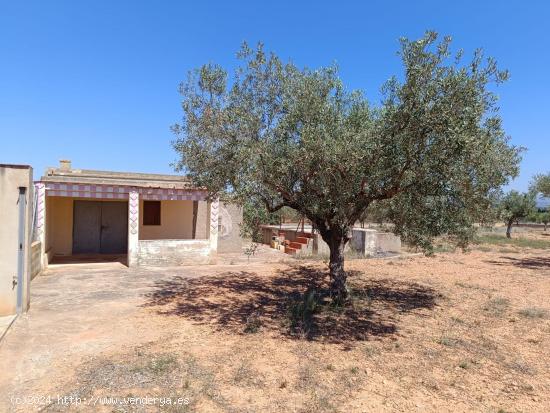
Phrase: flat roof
(14, 165)
(94, 177)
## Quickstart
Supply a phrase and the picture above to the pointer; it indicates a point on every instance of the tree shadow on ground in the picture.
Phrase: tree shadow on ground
(534, 263)
(229, 301)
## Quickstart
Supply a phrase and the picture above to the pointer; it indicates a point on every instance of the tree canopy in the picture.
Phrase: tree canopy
(541, 183)
(433, 153)
(515, 205)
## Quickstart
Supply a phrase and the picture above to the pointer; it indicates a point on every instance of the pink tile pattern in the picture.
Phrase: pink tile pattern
(121, 192)
(40, 189)
(214, 213)
(133, 210)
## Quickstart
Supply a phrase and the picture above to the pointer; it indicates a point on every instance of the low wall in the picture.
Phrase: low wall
(49, 256)
(371, 242)
(229, 225)
(269, 230)
(36, 258)
(367, 242)
(529, 225)
(172, 252)
(15, 229)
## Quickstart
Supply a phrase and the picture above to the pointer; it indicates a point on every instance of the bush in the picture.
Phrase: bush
(253, 324)
(534, 312)
(300, 312)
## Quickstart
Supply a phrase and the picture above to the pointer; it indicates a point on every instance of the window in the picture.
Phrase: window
(151, 212)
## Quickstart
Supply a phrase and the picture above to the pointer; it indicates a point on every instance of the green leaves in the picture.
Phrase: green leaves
(515, 205)
(433, 153)
(541, 183)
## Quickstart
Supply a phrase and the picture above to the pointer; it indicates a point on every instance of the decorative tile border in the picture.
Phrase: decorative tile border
(40, 189)
(77, 194)
(121, 192)
(133, 208)
(214, 212)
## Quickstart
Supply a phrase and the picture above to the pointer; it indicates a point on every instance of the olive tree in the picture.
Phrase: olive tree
(544, 218)
(541, 183)
(431, 152)
(515, 205)
(256, 214)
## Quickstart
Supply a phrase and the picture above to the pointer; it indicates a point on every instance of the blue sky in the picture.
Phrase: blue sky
(96, 81)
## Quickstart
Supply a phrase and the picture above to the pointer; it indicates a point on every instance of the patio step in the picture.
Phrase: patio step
(290, 250)
(302, 240)
(296, 245)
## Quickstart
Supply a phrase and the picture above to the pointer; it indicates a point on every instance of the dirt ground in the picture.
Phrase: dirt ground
(461, 332)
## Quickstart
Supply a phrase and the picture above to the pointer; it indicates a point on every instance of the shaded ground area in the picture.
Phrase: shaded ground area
(235, 299)
(530, 262)
(90, 259)
(457, 332)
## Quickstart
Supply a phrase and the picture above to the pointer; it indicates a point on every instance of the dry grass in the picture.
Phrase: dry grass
(499, 240)
(534, 312)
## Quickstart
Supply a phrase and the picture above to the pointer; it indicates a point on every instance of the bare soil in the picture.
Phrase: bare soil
(461, 332)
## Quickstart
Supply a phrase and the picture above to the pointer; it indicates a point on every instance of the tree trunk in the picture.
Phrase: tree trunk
(509, 229)
(338, 276)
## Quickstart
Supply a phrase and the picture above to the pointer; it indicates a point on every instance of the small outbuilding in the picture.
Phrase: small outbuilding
(143, 219)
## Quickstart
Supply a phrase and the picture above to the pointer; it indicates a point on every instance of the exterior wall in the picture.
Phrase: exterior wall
(174, 252)
(367, 242)
(36, 258)
(321, 247)
(39, 225)
(372, 242)
(48, 228)
(11, 178)
(364, 241)
(59, 225)
(388, 242)
(176, 221)
(229, 228)
(203, 216)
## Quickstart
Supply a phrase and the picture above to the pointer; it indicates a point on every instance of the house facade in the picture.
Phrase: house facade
(147, 219)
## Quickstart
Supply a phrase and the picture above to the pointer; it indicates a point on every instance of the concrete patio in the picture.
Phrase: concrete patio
(81, 310)
(5, 323)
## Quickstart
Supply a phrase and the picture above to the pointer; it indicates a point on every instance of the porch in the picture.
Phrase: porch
(154, 220)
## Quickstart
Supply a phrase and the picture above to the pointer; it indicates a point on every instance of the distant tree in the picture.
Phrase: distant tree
(541, 183)
(543, 218)
(514, 206)
(533, 216)
(433, 151)
(289, 215)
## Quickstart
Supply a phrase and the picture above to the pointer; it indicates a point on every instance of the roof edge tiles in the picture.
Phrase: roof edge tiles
(90, 176)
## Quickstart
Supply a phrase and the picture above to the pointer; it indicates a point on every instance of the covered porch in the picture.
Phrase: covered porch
(141, 224)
